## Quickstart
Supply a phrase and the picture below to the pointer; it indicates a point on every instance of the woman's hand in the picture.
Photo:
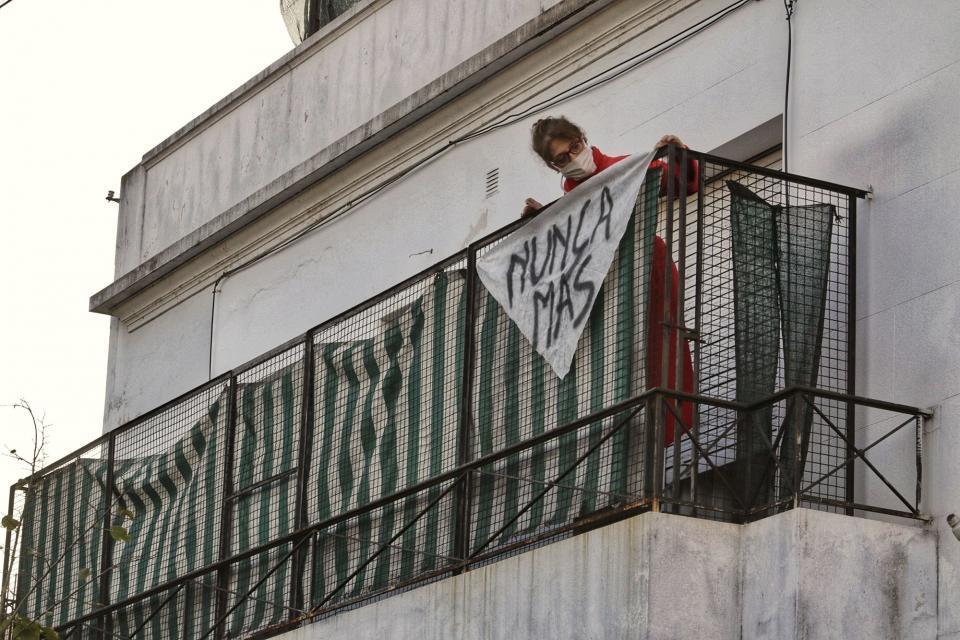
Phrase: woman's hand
(530, 208)
(670, 139)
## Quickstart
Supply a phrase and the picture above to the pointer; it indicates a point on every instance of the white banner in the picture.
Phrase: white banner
(547, 274)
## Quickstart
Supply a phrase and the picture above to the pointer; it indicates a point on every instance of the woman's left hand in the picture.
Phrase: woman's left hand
(530, 208)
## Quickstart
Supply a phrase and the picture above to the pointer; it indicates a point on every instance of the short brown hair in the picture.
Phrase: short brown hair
(547, 129)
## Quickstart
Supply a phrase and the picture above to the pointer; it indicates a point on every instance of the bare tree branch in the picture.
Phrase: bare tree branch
(9, 612)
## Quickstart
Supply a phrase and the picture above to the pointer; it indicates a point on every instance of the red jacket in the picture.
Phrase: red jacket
(660, 314)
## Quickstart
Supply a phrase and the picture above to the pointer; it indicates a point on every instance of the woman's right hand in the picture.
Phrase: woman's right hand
(530, 208)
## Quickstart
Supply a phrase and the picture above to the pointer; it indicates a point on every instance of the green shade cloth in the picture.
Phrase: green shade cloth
(387, 411)
(756, 329)
(803, 241)
(62, 531)
(781, 259)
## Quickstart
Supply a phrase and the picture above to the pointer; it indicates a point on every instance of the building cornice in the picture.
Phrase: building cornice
(304, 197)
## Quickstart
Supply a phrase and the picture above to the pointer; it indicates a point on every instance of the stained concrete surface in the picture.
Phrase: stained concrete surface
(799, 575)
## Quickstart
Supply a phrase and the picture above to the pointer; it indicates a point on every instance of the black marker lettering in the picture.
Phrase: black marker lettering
(587, 286)
(578, 249)
(558, 237)
(514, 261)
(606, 208)
(534, 276)
(563, 301)
(544, 299)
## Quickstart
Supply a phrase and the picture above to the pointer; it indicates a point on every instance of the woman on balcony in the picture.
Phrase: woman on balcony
(563, 147)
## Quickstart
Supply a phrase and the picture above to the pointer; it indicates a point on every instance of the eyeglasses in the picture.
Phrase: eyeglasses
(563, 159)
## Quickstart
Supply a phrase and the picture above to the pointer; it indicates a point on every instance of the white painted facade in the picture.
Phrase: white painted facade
(874, 92)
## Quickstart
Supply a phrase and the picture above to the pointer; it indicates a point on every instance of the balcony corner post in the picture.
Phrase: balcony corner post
(465, 421)
(798, 397)
(106, 549)
(851, 347)
(304, 447)
(7, 552)
(223, 573)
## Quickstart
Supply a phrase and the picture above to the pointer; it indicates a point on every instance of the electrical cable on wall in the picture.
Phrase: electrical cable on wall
(789, 6)
(578, 89)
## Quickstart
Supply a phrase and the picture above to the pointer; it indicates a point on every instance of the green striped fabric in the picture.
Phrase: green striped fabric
(268, 412)
(61, 538)
(172, 496)
(517, 396)
(386, 416)
(175, 497)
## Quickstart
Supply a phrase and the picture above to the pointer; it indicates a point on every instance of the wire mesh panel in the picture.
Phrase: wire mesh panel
(157, 616)
(387, 404)
(269, 406)
(530, 494)
(58, 546)
(168, 483)
(384, 548)
(697, 478)
(822, 449)
(258, 591)
(269, 402)
(768, 287)
(199, 596)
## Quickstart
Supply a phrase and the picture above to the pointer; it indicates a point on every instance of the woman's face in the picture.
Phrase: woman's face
(562, 151)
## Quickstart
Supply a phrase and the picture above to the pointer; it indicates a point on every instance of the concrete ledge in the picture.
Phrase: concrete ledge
(808, 574)
(800, 574)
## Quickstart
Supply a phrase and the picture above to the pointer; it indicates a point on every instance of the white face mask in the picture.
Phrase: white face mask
(581, 165)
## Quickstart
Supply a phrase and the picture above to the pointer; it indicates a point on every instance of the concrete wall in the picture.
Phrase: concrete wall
(881, 109)
(807, 574)
(366, 61)
(801, 574)
(942, 486)
(159, 358)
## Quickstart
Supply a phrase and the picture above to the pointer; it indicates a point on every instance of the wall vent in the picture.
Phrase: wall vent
(493, 181)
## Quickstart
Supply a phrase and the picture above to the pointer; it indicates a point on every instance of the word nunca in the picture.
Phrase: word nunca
(554, 264)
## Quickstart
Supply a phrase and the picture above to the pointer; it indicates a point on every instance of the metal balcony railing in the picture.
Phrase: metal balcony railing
(419, 435)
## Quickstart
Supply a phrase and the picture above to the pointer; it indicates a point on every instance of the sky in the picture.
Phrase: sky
(86, 88)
